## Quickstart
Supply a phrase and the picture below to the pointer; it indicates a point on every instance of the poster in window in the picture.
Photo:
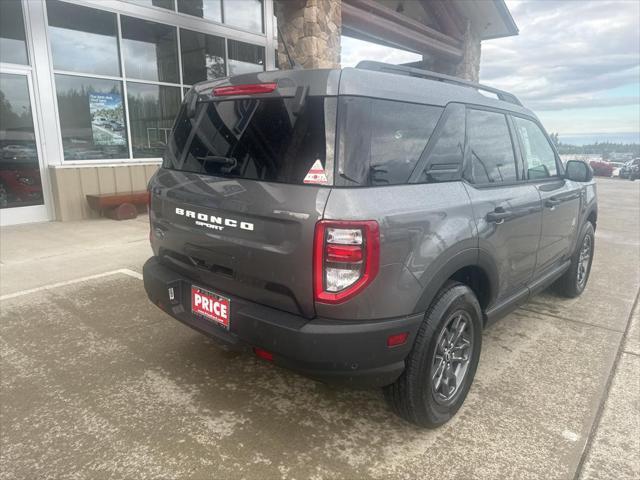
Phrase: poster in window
(107, 118)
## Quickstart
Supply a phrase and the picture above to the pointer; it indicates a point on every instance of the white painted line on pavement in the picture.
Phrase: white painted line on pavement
(51, 286)
(131, 273)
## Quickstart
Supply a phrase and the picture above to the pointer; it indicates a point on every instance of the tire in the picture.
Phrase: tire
(414, 396)
(574, 280)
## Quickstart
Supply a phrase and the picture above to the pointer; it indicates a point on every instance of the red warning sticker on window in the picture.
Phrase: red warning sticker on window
(316, 175)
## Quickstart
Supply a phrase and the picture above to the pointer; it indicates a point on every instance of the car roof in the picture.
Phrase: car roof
(378, 84)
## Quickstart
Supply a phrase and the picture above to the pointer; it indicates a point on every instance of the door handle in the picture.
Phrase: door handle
(552, 202)
(498, 216)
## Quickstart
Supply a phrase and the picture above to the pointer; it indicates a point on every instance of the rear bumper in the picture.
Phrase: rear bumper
(355, 353)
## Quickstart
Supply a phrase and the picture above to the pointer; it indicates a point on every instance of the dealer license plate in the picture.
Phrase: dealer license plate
(211, 306)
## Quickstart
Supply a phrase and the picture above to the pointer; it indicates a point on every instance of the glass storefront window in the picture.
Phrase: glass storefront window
(152, 110)
(245, 58)
(207, 9)
(202, 57)
(144, 56)
(13, 46)
(168, 4)
(20, 184)
(245, 14)
(150, 50)
(92, 118)
(83, 39)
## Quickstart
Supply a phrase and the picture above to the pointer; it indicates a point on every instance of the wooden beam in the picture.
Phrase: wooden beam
(446, 16)
(402, 20)
(389, 31)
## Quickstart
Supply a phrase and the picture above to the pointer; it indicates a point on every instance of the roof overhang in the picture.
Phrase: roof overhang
(374, 21)
(489, 18)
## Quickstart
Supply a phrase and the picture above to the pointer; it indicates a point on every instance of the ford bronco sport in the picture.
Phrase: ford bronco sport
(363, 225)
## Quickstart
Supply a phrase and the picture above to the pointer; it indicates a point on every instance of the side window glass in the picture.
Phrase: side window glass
(382, 140)
(538, 153)
(491, 152)
(445, 158)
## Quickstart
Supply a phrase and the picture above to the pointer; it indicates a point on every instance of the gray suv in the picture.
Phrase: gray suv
(363, 225)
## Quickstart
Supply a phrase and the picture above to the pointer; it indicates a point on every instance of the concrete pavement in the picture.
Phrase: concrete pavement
(96, 382)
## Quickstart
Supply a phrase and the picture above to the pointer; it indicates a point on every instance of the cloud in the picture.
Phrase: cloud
(569, 55)
(576, 62)
(354, 50)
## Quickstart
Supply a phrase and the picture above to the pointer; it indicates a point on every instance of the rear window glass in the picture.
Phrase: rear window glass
(381, 140)
(256, 139)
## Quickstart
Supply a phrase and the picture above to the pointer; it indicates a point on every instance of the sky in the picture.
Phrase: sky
(575, 63)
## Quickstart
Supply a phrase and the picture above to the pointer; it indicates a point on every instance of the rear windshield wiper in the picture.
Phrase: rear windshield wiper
(227, 163)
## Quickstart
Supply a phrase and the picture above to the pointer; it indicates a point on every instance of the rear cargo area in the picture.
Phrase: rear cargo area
(243, 183)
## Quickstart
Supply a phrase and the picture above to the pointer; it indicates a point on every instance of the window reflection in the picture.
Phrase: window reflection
(83, 39)
(13, 47)
(152, 109)
(168, 4)
(492, 158)
(245, 58)
(541, 161)
(202, 57)
(150, 50)
(19, 169)
(209, 9)
(446, 157)
(92, 118)
(244, 13)
(388, 142)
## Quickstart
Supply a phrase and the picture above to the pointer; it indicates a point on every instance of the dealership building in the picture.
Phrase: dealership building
(89, 88)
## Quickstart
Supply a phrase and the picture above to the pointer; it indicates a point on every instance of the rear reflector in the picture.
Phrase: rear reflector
(397, 339)
(252, 89)
(344, 253)
(263, 354)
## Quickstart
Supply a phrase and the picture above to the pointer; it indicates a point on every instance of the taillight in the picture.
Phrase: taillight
(346, 258)
(252, 89)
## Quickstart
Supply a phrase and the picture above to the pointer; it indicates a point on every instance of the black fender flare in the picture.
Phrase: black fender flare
(470, 257)
(593, 209)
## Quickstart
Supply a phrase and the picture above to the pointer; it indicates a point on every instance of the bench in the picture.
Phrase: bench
(119, 206)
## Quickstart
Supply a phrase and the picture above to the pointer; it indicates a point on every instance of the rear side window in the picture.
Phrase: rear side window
(490, 148)
(541, 161)
(256, 139)
(381, 140)
(445, 159)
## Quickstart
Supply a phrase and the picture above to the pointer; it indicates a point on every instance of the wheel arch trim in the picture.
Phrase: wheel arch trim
(470, 257)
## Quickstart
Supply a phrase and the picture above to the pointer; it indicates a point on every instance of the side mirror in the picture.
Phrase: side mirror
(578, 171)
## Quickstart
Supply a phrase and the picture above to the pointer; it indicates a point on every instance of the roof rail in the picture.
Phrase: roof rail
(417, 72)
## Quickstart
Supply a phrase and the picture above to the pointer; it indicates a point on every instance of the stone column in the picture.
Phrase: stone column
(311, 29)
(469, 66)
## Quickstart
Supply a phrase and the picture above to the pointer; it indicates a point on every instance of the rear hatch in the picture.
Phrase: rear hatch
(245, 178)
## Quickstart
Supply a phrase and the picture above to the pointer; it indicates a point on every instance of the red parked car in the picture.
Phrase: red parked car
(20, 186)
(601, 169)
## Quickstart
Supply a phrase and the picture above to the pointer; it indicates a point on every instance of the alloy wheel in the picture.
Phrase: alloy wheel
(451, 357)
(583, 261)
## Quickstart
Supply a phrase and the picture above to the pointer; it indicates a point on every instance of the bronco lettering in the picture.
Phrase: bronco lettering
(211, 221)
